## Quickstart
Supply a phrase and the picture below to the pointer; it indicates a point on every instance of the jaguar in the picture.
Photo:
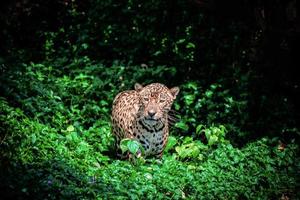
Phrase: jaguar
(143, 115)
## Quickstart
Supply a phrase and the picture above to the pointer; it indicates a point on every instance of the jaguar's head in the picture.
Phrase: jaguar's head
(155, 101)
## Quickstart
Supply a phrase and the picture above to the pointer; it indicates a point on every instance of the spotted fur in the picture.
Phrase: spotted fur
(142, 114)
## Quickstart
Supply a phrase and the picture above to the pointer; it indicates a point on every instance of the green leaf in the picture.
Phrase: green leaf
(190, 150)
(130, 145)
(69, 137)
(103, 103)
(70, 128)
(24, 190)
(192, 85)
(189, 99)
(133, 146)
(85, 46)
(190, 45)
(180, 41)
(212, 139)
(172, 141)
(199, 128)
(177, 106)
(33, 138)
(208, 93)
(207, 133)
(74, 136)
(123, 145)
(182, 126)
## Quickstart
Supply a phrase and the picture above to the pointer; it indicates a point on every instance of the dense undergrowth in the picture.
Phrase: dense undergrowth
(56, 141)
(237, 129)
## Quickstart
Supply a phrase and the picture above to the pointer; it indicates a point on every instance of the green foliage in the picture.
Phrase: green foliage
(236, 136)
(56, 141)
(213, 111)
(134, 150)
(253, 167)
(191, 149)
(131, 146)
(214, 135)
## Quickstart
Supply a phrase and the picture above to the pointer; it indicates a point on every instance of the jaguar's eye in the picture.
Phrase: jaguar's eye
(146, 99)
(162, 98)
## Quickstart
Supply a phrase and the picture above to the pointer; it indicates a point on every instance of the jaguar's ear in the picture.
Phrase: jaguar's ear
(138, 87)
(174, 91)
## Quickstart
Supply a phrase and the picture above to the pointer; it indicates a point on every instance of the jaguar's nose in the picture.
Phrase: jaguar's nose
(151, 113)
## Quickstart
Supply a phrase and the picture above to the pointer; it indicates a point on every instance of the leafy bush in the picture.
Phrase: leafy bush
(56, 141)
(237, 133)
(214, 110)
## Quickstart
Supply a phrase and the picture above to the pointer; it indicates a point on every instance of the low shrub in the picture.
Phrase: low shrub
(56, 141)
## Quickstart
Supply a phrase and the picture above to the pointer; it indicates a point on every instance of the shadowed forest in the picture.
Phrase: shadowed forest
(236, 133)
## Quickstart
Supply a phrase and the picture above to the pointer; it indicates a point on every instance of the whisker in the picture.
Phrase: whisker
(174, 115)
(174, 111)
(171, 123)
(173, 119)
